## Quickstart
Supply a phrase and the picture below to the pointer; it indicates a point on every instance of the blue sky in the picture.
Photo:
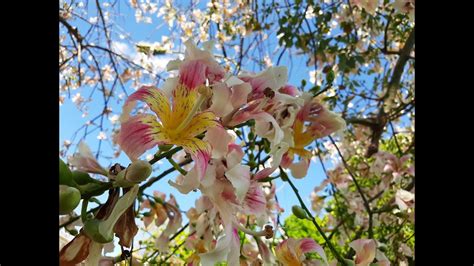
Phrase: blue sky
(71, 120)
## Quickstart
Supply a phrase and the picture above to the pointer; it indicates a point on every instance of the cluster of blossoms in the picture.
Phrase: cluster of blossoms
(197, 110)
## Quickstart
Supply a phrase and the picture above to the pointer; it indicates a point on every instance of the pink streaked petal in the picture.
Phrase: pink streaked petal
(255, 202)
(192, 73)
(201, 161)
(139, 134)
(309, 245)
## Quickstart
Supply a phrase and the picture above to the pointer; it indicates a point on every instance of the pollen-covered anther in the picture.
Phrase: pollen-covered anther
(268, 92)
(205, 91)
(268, 231)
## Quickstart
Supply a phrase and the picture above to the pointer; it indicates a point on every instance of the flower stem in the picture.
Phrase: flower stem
(176, 165)
(330, 245)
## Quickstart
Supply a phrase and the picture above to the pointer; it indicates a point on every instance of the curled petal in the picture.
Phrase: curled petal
(290, 90)
(85, 161)
(75, 251)
(187, 183)
(277, 155)
(300, 169)
(365, 250)
(235, 155)
(239, 176)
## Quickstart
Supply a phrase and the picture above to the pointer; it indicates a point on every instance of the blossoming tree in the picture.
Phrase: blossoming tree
(233, 135)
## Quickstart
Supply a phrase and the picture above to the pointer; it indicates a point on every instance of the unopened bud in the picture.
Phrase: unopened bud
(69, 198)
(299, 212)
(65, 175)
(138, 171)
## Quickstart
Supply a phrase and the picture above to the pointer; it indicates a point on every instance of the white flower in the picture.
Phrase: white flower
(102, 136)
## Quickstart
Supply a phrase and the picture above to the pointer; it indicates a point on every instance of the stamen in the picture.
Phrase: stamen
(204, 93)
(267, 232)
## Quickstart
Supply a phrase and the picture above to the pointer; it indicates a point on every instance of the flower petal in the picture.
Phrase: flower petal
(309, 245)
(192, 73)
(219, 140)
(200, 123)
(239, 94)
(154, 98)
(255, 201)
(187, 183)
(85, 161)
(200, 153)
(365, 250)
(239, 176)
(221, 100)
(139, 134)
(300, 169)
(184, 100)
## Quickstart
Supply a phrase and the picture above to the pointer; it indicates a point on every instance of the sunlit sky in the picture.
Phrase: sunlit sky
(71, 118)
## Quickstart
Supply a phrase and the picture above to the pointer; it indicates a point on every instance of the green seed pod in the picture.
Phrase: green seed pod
(65, 175)
(69, 198)
(138, 171)
(299, 212)
(92, 230)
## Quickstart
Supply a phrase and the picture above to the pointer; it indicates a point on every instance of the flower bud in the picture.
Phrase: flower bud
(69, 198)
(120, 180)
(138, 171)
(299, 212)
(65, 175)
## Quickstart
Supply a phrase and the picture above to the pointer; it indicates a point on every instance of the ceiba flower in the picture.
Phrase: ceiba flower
(177, 121)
